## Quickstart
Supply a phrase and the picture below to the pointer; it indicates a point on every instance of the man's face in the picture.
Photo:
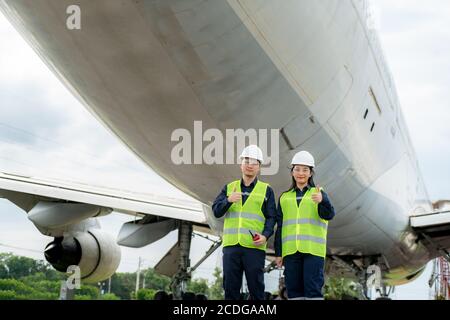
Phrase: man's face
(250, 167)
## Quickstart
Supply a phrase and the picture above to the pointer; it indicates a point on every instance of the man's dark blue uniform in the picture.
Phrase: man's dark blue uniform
(238, 259)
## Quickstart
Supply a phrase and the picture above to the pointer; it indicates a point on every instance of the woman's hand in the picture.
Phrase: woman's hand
(317, 195)
(279, 261)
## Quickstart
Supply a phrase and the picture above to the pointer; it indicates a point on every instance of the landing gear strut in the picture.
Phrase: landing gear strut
(184, 269)
(178, 284)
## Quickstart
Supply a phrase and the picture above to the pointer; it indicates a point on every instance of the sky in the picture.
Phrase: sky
(45, 131)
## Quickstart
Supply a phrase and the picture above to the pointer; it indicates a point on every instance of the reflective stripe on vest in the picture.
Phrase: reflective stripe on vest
(239, 218)
(302, 230)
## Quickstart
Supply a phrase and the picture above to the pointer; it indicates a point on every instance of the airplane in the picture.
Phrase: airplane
(313, 70)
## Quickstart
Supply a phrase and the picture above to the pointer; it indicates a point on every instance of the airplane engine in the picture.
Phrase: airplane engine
(96, 253)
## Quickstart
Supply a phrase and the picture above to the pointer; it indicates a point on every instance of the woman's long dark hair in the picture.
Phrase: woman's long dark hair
(310, 180)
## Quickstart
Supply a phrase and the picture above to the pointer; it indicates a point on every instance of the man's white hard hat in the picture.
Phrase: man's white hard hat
(252, 152)
(303, 158)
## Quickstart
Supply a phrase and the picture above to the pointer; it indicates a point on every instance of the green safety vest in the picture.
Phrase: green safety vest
(239, 218)
(302, 230)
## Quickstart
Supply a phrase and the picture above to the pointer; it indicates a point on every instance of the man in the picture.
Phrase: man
(250, 216)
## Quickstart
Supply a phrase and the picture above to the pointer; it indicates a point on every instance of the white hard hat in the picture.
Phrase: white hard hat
(304, 158)
(253, 152)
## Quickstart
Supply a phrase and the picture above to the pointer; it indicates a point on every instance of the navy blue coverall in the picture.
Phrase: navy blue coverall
(238, 259)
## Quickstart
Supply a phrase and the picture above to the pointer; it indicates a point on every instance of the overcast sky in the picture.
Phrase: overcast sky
(44, 131)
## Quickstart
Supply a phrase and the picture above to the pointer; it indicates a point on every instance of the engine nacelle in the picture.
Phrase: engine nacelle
(96, 253)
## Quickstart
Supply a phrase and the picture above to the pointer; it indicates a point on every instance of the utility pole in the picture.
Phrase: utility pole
(138, 274)
(109, 285)
(143, 280)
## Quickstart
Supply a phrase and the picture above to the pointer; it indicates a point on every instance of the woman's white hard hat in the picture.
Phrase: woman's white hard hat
(303, 158)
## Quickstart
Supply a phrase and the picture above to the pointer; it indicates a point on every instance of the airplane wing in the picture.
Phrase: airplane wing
(434, 229)
(26, 192)
(54, 205)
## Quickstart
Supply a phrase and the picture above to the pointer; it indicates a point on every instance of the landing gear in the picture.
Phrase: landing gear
(179, 281)
(184, 270)
(385, 292)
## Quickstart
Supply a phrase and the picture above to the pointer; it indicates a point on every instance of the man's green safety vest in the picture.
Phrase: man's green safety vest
(302, 230)
(239, 218)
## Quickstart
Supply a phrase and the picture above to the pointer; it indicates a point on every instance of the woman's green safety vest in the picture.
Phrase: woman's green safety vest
(239, 218)
(302, 230)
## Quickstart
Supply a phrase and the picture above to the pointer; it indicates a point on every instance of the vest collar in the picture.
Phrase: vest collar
(305, 189)
(253, 184)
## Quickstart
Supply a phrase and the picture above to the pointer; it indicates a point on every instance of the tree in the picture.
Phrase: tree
(109, 296)
(145, 294)
(89, 291)
(123, 284)
(198, 286)
(8, 295)
(340, 289)
(216, 289)
(22, 291)
(156, 281)
(20, 266)
(16, 267)
(4, 271)
(16, 286)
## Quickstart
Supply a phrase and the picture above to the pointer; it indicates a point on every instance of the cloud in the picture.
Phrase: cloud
(21, 62)
(416, 40)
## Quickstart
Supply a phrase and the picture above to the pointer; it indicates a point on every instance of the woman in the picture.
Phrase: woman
(300, 241)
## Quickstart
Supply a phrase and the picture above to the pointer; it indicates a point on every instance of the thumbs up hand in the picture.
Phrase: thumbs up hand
(317, 195)
(234, 196)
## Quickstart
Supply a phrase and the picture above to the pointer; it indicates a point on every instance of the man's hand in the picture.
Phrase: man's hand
(279, 261)
(261, 240)
(234, 196)
(317, 195)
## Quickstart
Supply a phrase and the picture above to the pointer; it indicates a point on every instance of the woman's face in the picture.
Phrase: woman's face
(301, 174)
